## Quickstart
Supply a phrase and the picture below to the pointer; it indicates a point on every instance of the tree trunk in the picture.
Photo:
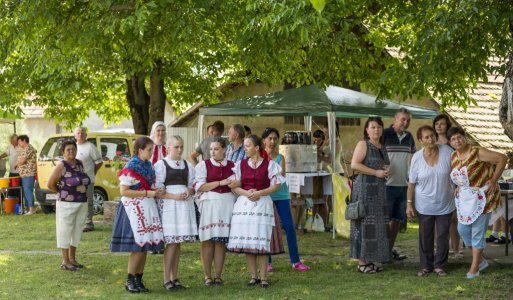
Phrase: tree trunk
(506, 105)
(139, 102)
(157, 96)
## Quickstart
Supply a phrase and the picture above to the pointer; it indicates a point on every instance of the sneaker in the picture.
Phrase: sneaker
(397, 256)
(269, 267)
(501, 240)
(472, 276)
(491, 239)
(301, 267)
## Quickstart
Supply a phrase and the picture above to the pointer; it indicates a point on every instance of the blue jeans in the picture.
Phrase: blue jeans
(396, 200)
(283, 208)
(28, 190)
(474, 234)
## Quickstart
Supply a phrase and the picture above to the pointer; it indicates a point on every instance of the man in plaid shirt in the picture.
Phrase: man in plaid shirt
(235, 151)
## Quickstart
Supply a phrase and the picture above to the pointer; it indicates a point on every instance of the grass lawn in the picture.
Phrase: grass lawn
(29, 269)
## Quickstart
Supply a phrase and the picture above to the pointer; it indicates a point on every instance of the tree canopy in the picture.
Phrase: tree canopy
(128, 57)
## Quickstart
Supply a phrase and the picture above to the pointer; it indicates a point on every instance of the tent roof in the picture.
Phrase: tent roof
(314, 101)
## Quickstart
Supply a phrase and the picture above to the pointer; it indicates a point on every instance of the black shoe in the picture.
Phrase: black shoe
(139, 284)
(254, 281)
(491, 239)
(178, 284)
(130, 284)
(88, 229)
(397, 256)
(501, 240)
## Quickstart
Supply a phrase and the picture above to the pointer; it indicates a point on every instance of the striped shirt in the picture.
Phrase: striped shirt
(399, 150)
(479, 173)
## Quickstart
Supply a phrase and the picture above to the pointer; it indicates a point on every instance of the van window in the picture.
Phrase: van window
(114, 149)
(51, 150)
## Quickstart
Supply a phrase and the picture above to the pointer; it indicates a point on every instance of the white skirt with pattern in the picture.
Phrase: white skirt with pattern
(178, 217)
(252, 225)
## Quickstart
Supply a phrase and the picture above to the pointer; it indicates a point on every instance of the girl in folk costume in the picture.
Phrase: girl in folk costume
(137, 227)
(158, 136)
(253, 213)
(215, 206)
(176, 207)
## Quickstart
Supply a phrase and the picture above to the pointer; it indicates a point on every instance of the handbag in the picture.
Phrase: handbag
(355, 211)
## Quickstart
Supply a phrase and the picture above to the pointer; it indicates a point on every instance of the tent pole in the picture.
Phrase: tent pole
(201, 119)
(332, 119)
(308, 123)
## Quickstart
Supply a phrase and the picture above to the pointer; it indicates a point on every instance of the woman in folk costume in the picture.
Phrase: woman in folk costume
(476, 172)
(176, 207)
(137, 228)
(158, 136)
(215, 205)
(253, 213)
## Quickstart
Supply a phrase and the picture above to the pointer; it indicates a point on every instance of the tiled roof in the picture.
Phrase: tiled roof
(481, 122)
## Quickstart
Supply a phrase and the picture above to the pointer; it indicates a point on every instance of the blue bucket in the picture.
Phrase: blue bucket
(17, 209)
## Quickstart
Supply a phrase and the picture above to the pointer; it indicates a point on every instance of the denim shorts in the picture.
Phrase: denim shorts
(474, 234)
(396, 200)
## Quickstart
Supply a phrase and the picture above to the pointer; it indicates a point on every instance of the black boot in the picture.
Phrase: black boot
(130, 284)
(139, 284)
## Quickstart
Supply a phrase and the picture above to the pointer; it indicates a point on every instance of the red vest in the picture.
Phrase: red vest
(218, 173)
(254, 178)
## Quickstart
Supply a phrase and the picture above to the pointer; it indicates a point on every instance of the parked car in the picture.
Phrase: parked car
(115, 148)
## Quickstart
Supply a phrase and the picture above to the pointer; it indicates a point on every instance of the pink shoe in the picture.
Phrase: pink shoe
(269, 268)
(300, 267)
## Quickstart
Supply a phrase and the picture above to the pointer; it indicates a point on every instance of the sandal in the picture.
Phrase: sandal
(369, 268)
(169, 286)
(178, 285)
(77, 265)
(423, 273)
(69, 267)
(209, 282)
(440, 272)
(264, 284)
(218, 281)
(253, 282)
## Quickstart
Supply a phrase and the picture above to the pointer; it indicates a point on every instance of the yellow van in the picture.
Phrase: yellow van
(115, 148)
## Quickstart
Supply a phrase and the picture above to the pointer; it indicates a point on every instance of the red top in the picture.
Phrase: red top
(218, 173)
(255, 178)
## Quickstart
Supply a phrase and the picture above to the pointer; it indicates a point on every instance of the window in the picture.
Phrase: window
(114, 149)
(52, 149)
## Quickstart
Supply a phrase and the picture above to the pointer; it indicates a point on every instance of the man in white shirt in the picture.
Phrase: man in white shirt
(91, 158)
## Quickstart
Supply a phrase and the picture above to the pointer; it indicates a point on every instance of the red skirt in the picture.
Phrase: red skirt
(276, 237)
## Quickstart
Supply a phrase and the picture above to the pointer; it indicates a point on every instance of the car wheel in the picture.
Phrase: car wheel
(48, 209)
(99, 198)
(40, 196)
